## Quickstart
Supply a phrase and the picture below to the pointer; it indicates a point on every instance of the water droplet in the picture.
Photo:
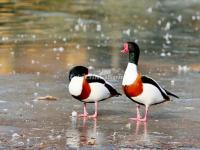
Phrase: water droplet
(179, 18)
(167, 26)
(98, 28)
(149, 10)
(163, 54)
(37, 84)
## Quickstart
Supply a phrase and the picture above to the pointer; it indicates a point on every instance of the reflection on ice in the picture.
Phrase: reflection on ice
(83, 134)
(41, 39)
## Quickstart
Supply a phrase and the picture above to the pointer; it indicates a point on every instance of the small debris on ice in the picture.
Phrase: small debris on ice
(128, 125)
(58, 137)
(64, 39)
(183, 68)
(193, 17)
(127, 32)
(74, 114)
(34, 36)
(179, 18)
(32, 61)
(169, 54)
(172, 82)
(162, 54)
(92, 59)
(15, 136)
(90, 67)
(159, 22)
(167, 37)
(51, 137)
(189, 108)
(37, 84)
(35, 94)
(77, 46)
(76, 27)
(98, 28)
(5, 110)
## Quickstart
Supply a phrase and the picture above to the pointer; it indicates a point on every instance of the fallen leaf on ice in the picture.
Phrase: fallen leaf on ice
(48, 97)
(91, 141)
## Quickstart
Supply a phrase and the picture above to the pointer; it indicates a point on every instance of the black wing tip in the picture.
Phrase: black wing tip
(118, 94)
(176, 96)
(171, 94)
(112, 90)
(115, 93)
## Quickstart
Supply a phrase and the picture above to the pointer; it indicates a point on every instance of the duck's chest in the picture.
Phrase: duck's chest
(79, 88)
(135, 88)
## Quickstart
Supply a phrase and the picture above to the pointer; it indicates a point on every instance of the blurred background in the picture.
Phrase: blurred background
(40, 40)
(39, 35)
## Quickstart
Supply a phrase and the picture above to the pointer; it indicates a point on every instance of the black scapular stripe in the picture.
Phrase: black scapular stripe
(148, 80)
(91, 79)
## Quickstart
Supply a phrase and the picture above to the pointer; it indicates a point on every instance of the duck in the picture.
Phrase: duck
(89, 88)
(141, 89)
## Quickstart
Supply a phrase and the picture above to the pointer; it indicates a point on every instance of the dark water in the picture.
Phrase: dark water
(40, 40)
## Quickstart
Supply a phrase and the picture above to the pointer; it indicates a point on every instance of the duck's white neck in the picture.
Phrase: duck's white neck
(130, 74)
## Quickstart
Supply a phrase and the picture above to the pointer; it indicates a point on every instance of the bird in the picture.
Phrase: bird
(141, 89)
(89, 88)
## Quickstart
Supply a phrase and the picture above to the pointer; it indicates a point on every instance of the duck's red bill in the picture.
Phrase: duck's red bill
(125, 50)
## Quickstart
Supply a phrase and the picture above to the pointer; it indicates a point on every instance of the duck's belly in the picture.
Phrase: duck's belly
(98, 92)
(150, 95)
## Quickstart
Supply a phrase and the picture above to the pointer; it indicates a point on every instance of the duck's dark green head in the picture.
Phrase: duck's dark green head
(78, 71)
(134, 52)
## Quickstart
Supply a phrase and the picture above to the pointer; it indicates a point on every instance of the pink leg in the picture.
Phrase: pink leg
(96, 108)
(85, 114)
(145, 116)
(138, 114)
(137, 127)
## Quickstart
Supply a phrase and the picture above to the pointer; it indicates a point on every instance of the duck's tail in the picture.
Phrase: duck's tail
(171, 94)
